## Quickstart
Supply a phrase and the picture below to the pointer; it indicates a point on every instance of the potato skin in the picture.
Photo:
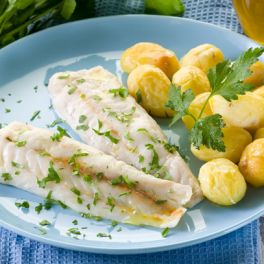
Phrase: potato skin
(204, 56)
(195, 109)
(252, 163)
(246, 112)
(259, 91)
(221, 182)
(257, 76)
(235, 139)
(191, 77)
(153, 85)
(149, 53)
(259, 133)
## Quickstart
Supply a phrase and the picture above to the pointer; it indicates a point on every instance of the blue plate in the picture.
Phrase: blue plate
(25, 67)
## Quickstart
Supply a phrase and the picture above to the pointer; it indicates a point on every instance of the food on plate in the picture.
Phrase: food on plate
(246, 112)
(222, 182)
(94, 103)
(195, 108)
(259, 91)
(87, 180)
(191, 77)
(235, 140)
(149, 53)
(150, 86)
(204, 56)
(252, 163)
(259, 133)
(257, 76)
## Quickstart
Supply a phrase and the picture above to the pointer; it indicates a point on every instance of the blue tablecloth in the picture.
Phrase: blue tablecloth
(241, 246)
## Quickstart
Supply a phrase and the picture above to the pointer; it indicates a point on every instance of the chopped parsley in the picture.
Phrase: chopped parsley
(123, 180)
(62, 205)
(6, 176)
(74, 231)
(165, 232)
(58, 135)
(52, 176)
(141, 158)
(106, 133)
(7, 110)
(80, 81)
(82, 127)
(82, 118)
(87, 178)
(63, 77)
(122, 92)
(75, 222)
(138, 96)
(35, 115)
(79, 200)
(73, 163)
(16, 165)
(36, 89)
(104, 235)
(56, 122)
(111, 203)
(72, 89)
(124, 194)
(99, 175)
(21, 143)
(154, 164)
(19, 101)
(128, 137)
(96, 198)
(49, 202)
(24, 204)
(122, 117)
(76, 191)
(147, 133)
(44, 223)
(114, 223)
(89, 216)
(39, 208)
(97, 98)
(170, 147)
(160, 201)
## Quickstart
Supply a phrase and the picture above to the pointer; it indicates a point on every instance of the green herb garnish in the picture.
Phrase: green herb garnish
(105, 134)
(165, 232)
(35, 115)
(123, 180)
(6, 176)
(122, 92)
(44, 223)
(39, 208)
(24, 204)
(104, 235)
(58, 135)
(21, 143)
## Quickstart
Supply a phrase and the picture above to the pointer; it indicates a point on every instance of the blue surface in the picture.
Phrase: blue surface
(68, 47)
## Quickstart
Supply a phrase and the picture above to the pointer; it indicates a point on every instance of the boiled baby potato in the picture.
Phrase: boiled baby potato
(246, 112)
(259, 91)
(257, 76)
(191, 77)
(150, 86)
(149, 53)
(252, 163)
(204, 56)
(259, 133)
(195, 109)
(235, 139)
(221, 182)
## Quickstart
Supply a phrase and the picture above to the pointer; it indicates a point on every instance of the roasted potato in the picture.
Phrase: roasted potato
(195, 109)
(257, 76)
(150, 86)
(221, 182)
(204, 56)
(235, 139)
(149, 53)
(259, 133)
(259, 91)
(251, 163)
(191, 77)
(246, 112)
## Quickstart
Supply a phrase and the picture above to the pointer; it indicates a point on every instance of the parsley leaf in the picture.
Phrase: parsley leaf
(35, 115)
(122, 92)
(123, 180)
(21, 143)
(52, 176)
(44, 223)
(58, 136)
(208, 131)
(24, 204)
(39, 208)
(104, 235)
(6, 176)
(165, 232)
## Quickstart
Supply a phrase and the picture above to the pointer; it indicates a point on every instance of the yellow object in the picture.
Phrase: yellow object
(191, 77)
(259, 91)
(195, 109)
(235, 139)
(251, 163)
(251, 14)
(221, 182)
(257, 76)
(259, 133)
(150, 86)
(149, 53)
(204, 57)
(246, 112)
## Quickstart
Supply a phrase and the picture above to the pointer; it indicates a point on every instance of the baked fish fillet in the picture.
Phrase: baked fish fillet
(94, 103)
(86, 179)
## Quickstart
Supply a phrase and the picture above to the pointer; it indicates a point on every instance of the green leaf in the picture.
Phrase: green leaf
(208, 131)
(165, 232)
(122, 92)
(24, 204)
(44, 223)
(227, 78)
(179, 102)
(58, 136)
(68, 8)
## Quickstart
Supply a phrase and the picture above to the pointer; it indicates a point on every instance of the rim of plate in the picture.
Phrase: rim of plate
(118, 248)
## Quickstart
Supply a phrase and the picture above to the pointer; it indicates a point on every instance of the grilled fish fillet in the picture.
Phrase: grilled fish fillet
(86, 179)
(94, 103)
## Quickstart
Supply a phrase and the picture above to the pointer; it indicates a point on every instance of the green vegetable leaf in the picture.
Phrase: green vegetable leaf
(58, 135)
(208, 131)
(227, 78)
(122, 92)
(179, 102)
(24, 204)
(6, 176)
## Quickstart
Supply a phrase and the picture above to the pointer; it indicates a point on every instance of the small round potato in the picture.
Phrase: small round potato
(221, 182)
(259, 133)
(259, 91)
(191, 77)
(257, 76)
(252, 163)
(195, 109)
(149, 53)
(235, 139)
(204, 56)
(246, 112)
(150, 86)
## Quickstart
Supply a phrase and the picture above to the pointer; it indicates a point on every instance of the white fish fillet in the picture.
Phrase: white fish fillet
(89, 93)
(141, 199)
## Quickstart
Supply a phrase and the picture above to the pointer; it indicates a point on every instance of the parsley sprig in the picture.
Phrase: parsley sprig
(227, 80)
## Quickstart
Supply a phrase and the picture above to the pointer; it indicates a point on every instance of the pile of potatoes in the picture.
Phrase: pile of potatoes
(153, 68)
